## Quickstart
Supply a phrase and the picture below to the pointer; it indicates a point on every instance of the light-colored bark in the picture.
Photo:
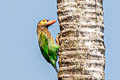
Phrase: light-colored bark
(81, 53)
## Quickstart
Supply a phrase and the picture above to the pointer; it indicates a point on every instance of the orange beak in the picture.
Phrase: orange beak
(50, 22)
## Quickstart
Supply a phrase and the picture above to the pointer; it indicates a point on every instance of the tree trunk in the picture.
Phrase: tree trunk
(82, 50)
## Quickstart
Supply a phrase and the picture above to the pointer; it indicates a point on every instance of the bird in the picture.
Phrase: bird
(48, 47)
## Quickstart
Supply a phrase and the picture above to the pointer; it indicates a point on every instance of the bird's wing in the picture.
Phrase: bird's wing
(52, 49)
(43, 43)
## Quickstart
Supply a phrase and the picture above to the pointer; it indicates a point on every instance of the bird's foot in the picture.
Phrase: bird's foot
(57, 39)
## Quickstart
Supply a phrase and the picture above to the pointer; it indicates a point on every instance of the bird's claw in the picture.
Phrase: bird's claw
(57, 39)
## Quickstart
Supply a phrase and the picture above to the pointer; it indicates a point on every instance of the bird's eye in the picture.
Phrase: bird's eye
(44, 21)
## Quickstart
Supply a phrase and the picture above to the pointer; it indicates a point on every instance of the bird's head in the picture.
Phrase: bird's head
(46, 23)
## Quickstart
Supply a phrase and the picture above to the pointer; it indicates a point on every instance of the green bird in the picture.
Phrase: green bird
(46, 42)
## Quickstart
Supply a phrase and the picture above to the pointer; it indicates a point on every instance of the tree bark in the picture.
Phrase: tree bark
(81, 40)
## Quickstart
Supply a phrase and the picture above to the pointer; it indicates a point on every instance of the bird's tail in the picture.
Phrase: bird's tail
(56, 69)
(54, 65)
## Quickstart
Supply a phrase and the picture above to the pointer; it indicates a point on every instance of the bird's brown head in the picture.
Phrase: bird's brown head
(46, 23)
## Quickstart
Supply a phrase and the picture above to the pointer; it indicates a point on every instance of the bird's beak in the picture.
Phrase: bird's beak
(50, 22)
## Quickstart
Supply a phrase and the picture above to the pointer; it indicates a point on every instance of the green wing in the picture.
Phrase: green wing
(52, 49)
(43, 43)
